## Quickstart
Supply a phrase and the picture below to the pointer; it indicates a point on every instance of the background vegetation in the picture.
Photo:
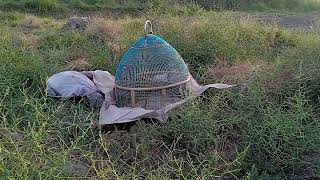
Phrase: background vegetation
(268, 127)
(138, 5)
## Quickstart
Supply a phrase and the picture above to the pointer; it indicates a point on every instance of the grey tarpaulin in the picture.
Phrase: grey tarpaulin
(98, 87)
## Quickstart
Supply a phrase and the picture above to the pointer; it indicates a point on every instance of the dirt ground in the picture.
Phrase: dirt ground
(306, 22)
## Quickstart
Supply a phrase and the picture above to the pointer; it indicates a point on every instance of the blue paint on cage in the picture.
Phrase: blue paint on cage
(150, 58)
(149, 41)
(145, 42)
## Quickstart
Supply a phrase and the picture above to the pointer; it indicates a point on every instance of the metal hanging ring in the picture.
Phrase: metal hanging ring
(146, 27)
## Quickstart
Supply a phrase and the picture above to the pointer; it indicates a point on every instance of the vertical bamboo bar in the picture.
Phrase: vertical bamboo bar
(164, 96)
(133, 98)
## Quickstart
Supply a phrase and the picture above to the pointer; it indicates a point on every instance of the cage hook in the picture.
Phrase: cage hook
(146, 27)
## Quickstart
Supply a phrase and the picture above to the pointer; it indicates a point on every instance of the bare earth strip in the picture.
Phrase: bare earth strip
(305, 22)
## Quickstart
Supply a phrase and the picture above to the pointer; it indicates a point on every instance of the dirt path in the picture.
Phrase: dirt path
(305, 22)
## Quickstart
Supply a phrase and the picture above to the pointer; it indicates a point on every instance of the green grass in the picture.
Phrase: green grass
(58, 6)
(267, 128)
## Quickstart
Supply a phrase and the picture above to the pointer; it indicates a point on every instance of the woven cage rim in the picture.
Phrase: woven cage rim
(149, 47)
(154, 88)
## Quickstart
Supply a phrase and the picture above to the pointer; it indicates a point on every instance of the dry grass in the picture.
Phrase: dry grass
(110, 31)
(25, 41)
(234, 73)
(77, 61)
(29, 23)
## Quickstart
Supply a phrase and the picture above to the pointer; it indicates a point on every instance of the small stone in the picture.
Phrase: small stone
(74, 23)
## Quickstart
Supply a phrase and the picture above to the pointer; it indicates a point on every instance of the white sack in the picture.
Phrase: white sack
(70, 84)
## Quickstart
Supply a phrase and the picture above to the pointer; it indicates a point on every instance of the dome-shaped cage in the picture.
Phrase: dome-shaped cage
(151, 75)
